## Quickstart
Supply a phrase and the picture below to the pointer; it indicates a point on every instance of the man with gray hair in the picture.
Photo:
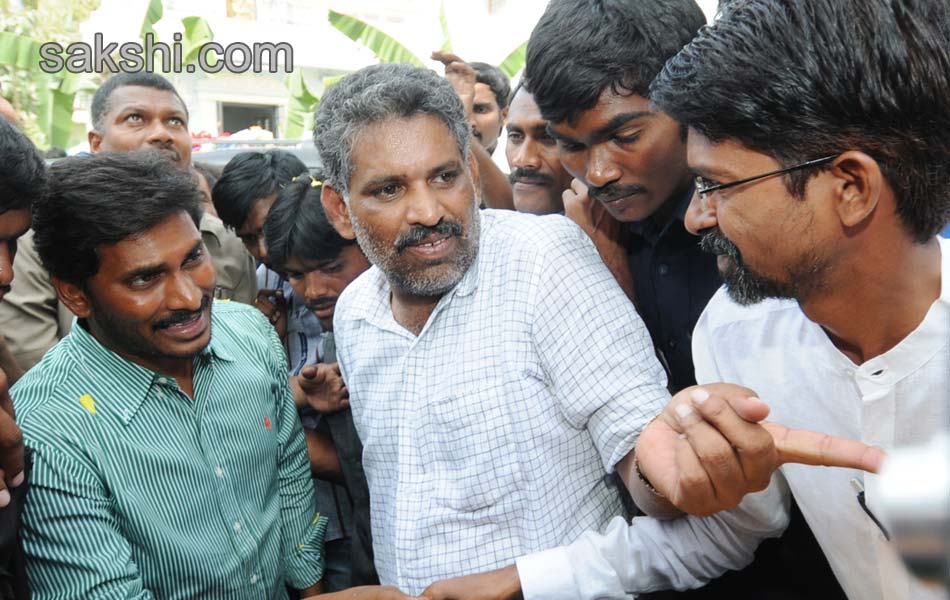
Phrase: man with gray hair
(496, 370)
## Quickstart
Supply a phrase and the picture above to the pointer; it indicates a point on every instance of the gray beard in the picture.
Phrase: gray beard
(415, 283)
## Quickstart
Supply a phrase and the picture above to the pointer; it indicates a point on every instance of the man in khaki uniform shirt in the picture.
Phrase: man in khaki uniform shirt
(131, 111)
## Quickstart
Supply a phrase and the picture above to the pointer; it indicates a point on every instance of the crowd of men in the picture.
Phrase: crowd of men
(655, 359)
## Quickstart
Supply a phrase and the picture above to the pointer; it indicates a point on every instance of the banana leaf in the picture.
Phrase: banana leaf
(152, 16)
(197, 34)
(514, 62)
(444, 22)
(302, 102)
(385, 47)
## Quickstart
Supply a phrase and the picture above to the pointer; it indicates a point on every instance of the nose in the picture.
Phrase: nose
(159, 133)
(262, 248)
(6, 264)
(526, 156)
(424, 208)
(183, 293)
(701, 213)
(315, 286)
(601, 169)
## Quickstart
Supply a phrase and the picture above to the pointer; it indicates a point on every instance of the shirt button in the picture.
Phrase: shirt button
(664, 269)
(237, 527)
(254, 579)
(219, 472)
(671, 343)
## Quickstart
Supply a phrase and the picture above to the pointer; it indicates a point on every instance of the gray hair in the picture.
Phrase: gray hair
(374, 94)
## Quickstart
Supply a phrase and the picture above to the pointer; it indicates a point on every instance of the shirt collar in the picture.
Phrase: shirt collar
(647, 226)
(134, 381)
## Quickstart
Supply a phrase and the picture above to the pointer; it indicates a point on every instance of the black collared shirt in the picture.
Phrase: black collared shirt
(673, 279)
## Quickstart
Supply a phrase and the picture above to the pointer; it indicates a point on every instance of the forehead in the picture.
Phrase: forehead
(609, 105)
(144, 98)
(523, 110)
(14, 223)
(169, 240)
(402, 147)
(484, 94)
(726, 158)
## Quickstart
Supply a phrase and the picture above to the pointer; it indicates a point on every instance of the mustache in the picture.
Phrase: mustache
(530, 176)
(716, 243)
(182, 316)
(322, 302)
(611, 192)
(420, 233)
(166, 149)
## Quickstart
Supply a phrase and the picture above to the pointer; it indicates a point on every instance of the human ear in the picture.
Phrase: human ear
(336, 210)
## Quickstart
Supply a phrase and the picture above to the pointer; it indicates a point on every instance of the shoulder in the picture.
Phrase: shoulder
(49, 396)
(235, 321)
(529, 233)
(723, 315)
(362, 296)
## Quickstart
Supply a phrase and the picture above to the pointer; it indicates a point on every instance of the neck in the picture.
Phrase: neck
(412, 311)
(879, 299)
(665, 213)
(179, 368)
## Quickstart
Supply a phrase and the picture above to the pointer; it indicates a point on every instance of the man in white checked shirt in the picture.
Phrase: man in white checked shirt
(496, 371)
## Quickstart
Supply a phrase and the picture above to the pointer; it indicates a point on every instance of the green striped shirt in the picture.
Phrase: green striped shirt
(138, 491)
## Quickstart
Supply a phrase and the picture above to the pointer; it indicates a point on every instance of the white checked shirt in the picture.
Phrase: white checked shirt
(489, 434)
(897, 399)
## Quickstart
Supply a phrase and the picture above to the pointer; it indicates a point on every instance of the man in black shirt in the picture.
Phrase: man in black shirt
(593, 89)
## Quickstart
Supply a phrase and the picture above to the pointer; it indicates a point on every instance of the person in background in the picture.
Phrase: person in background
(486, 119)
(538, 179)
(22, 182)
(207, 176)
(319, 264)
(131, 112)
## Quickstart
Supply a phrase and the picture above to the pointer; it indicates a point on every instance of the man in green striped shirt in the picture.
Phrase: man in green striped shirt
(168, 459)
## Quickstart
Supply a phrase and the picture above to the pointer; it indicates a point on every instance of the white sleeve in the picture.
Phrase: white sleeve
(650, 555)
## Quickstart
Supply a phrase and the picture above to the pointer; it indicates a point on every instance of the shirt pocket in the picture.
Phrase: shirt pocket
(475, 456)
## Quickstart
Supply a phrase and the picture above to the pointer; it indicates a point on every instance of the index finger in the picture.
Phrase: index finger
(812, 448)
(445, 57)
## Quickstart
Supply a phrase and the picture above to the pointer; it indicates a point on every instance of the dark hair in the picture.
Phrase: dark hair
(210, 173)
(103, 199)
(494, 78)
(296, 226)
(375, 94)
(100, 101)
(249, 177)
(579, 48)
(22, 171)
(801, 79)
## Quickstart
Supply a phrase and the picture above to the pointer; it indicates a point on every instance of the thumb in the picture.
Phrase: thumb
(750, 408)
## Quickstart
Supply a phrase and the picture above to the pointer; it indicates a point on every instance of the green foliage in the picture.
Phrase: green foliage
(385, 47)
(301, 105)
(153, 14)
(444, 23)
(514, 62)
(197, 33)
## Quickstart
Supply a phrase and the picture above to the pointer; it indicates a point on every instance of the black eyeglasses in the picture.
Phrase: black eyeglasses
(704, 186)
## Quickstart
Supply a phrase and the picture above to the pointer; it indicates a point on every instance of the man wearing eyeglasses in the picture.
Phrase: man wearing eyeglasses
(822, 188)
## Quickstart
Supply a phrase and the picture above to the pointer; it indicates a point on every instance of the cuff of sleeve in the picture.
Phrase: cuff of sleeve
(304, 564)
(547, 575)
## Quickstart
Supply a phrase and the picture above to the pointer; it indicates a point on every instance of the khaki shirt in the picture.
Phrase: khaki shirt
(33, 320)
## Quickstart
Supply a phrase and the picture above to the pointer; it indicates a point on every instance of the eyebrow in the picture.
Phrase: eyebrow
(139, 107)
(155, 269)
(607, 129)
